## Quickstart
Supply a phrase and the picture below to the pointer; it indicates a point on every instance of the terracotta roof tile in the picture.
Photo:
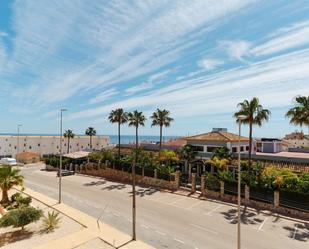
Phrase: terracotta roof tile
(218, 136)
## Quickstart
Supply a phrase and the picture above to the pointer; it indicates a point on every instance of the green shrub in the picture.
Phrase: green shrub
(212, 182)
(21, 217)
(17, 201)
(51, 221)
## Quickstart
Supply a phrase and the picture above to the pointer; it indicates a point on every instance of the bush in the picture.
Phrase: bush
(17, 201)
(51, 221)
(226, 176)
(212, 182)
(21, 217)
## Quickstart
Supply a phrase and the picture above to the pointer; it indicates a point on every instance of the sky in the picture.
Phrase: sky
(196, 58)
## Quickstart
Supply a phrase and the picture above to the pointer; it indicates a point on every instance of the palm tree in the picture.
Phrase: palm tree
(91, 132)
(254, 114)
(8, 178)
(135, 119)
(161, 118)
(299, 114)
(68, 134)
(118, 116)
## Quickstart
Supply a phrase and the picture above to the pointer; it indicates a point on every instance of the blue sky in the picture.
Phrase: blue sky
(196, 58)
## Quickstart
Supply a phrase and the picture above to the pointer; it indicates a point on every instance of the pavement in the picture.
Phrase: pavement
(167, 220)
(94, 230)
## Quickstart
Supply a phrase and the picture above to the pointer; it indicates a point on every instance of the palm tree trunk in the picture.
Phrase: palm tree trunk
(5, 197)
(68, 149)
(91, 142)
(160, 146)
(118, 140)
(250, 142)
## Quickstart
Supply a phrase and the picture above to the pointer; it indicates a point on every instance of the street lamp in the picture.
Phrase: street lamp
(60, 166)
(17, 151)
(240, 118)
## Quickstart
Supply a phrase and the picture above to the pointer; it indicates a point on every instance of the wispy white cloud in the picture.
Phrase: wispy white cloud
(270, 79)
(237, 49)
(139, 88)
(108, 42)
(295, 35)
(103, 96)
(210, 64)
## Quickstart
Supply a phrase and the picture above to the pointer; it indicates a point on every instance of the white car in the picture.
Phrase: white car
(8, 161)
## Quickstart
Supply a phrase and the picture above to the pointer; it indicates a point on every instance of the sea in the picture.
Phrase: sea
(113, 139)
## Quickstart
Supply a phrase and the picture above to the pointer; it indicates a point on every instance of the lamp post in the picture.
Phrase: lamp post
(17, 151)
(60, 166)
(239, 119)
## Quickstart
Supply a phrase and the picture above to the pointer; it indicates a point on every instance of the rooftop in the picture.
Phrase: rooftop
(218, 136)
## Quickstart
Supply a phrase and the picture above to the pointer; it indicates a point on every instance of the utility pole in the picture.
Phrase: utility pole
(239, 119)
(17, 151)
(60, 166)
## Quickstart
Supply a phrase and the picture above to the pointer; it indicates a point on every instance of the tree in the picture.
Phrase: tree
(299, 114)
(9, 178)
(21, 217)
(120, 117)
(161, 118)
(135, 119)
(187, 154)
(254, 114)
(169, 157)
(222, 153)
(69, 134)
(220, 164)
(90, 132)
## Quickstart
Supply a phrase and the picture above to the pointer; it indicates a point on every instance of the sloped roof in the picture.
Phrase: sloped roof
(221, 136)
(28, 154)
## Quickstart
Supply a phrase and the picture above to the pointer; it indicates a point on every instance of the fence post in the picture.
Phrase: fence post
(193, 183)
(155, 173)
(276, 198)
(190, 169)
(247, 194)
(203, 184)
(221, 188)
(143, 171)
(177, 179)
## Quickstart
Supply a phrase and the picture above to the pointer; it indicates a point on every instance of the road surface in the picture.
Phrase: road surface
(166, 220)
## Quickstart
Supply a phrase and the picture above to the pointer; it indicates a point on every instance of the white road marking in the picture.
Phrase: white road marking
(295, 231)
(204, 229)
(178, 240)
(161, 233)
(213, 210)
(115, 214)
(180, 199)
(260, 227)
(144, 226)
(193, 205)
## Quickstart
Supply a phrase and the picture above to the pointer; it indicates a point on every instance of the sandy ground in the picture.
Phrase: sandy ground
(13, 238)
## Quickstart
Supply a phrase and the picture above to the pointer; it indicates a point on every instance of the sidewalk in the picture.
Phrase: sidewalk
(93, 229)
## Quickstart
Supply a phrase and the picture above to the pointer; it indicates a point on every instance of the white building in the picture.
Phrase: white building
(47, 145)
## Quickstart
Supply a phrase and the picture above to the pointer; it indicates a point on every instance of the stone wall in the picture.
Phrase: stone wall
(121, 176)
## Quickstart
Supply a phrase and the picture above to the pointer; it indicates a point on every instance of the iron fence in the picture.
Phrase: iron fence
(261, 194)
(294, 200)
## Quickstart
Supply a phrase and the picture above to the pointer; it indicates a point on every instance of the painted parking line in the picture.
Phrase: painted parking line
(213, 210)
(204, 229)
(193, 205)
(178, 200)
(178, 240)
(161, 233)
(262, 224)
(295, 230)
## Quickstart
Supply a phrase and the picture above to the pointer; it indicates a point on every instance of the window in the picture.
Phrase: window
(30, 147)
(39, 145)
(212, 148)
(247, 148)
(234, 149)
(25, 145)
(242, 148)
(198, 148)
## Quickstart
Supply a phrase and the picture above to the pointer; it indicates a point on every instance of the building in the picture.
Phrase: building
(48, 145)
(297, 140)
(205, 144)
(269, 145)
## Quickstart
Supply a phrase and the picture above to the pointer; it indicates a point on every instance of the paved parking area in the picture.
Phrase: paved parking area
(167, 220)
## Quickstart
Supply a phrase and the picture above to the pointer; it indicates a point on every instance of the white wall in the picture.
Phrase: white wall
(48, 144)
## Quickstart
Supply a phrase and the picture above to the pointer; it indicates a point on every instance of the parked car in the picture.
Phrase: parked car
(66, 173)
(8, 161)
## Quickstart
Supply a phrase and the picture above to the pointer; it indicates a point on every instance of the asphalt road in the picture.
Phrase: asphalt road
(166, 220)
